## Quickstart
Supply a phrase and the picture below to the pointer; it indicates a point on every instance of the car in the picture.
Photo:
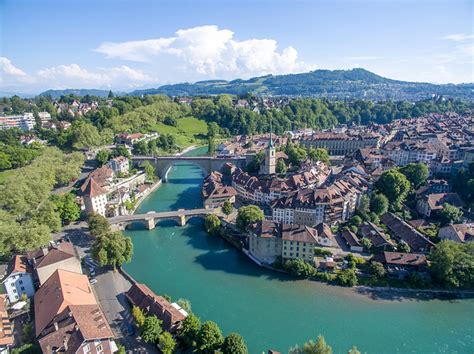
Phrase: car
(93, 281)
(92, 273)
(130, 329)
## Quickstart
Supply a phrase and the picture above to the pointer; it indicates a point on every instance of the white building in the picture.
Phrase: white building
(24, 121)
(19, 280)
(119, 165)
(95, 198)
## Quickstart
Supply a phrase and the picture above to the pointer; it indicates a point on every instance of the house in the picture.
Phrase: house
(405, 232)
(143, 297)
(68, 318)
(215, 192)
(352, 240)
(120, 165)
(457, 232)
(95, 198)
(128, 139)
(399, 264)
(47, 260)
(299, 241)
(265, 243)
(375, 234)
(6, 329)
(19, 279)
(432, 203)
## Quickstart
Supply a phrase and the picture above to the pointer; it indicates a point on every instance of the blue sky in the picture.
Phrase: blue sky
(128, 44)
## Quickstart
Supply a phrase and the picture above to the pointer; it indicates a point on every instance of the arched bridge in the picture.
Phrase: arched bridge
(149, 219)
(163, 164)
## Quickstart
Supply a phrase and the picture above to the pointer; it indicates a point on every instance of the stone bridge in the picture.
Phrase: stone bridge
(208, 164)
(181, 216)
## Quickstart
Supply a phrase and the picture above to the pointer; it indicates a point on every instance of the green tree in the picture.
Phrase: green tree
(319, 154)
(364, 207)
(185, 305)
(311, 347)
(211, 146)
(452, 263)
(212, 224)
(98, 225)
(151, 329)
(167, 343)
(248, 215)
(280, 166)
(121, 150)
(356, 220)
(67, 207)
(416, 173)
(366, 243)
(210, 337)
(300, 268)
(110, 95)
(188, 333)
(102, 157)
(138, 316)
(403, 247)
(84, 135)
(149, 171)
(378, 270)
(347, 277)
(227, 208)
(449, 214)
(234, 344)
(379, 204)
(395, 186)
(112, 248)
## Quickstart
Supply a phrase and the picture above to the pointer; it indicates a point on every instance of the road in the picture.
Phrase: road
(162, 215)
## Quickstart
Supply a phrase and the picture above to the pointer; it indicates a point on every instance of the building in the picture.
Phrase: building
(95, 198)
(399, 265)
(265, 243)
(120, 165)
(47, 260)
(341, 143)
(19, 280)
(24, 121)
(269, 165)
(352, 241)
(128, 139)
(403, 231)
(299, 241)
(429, 204)
(6, 328)
(457, 232)
(375, 234)
(170, 313)
(215, 192)
(68, 318)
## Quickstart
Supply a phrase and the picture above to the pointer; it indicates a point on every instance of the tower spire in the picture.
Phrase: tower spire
(270, 144)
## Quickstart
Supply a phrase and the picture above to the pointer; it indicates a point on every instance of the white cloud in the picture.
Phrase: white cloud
(64, 76)
(459, 37)
(12, 75)
(210, 51)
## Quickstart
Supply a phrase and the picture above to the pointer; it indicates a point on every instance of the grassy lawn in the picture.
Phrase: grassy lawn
(190, 131)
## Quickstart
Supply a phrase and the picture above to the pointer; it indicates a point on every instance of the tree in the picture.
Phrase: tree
(311, 347)
(227, 208)
(300, 268)
(67, 207)
(188, 333)
(378, 270)
(234, 344)
(354, 350)
(395, 186)
(449, 214)
(452, 263)
(210, 337)
(211, 150)
(319, 154)
(379, 204)
(112, 248)
(347, 277)
(167, 343)
(212, 224)
(138, 316)
(280, 166)
(185, 305)
(110, 95)
(102, 157)
(364, 207)
(416, 173)
(98, 225)
(248, 215)
(366, 243)
(84, 135)
(121, 150)
(403, 247)
(356, 220)
(151, 329)
(149, 171)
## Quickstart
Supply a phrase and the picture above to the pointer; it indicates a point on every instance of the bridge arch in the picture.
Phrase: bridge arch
(167, 168)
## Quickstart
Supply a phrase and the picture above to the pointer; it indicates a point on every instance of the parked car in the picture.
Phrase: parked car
(93, 281)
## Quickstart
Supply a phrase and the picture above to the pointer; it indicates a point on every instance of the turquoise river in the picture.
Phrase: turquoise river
(271, 310)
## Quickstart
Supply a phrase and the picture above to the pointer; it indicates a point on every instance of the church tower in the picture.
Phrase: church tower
(270, 157)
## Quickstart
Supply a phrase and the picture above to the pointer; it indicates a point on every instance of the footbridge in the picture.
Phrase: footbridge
(208, 164)
(149, 219)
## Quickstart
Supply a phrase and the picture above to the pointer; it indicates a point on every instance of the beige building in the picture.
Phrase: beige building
(95, 198)
(47, 260)
(457, 232)
(299, 241)
(265, 242)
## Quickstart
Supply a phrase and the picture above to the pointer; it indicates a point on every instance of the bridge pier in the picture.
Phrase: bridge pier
(150, 224)
(182, 220)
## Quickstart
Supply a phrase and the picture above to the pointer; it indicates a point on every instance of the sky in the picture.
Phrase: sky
(124, 45)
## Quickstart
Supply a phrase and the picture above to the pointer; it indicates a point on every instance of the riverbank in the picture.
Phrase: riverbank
(145, 195)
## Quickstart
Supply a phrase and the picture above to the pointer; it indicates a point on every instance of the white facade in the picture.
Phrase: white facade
(119, 165)
(96, 205)
(18, 283)
(24, 121)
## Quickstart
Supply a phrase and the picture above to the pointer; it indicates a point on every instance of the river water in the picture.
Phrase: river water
(274, 311)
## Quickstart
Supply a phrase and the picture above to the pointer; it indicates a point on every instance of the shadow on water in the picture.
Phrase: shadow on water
(411, 294)
(188, 199)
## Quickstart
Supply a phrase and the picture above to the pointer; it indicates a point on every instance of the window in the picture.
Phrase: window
(87, 348)
(22, 288)
(21, 282)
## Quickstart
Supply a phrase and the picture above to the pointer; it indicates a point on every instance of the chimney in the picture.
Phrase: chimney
(65, 344)
(56, 327)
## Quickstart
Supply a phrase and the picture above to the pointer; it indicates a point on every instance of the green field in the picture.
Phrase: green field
(190, 131)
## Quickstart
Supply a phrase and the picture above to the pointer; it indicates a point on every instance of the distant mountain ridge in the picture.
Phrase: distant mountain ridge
(351, 84)
(78, 92)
